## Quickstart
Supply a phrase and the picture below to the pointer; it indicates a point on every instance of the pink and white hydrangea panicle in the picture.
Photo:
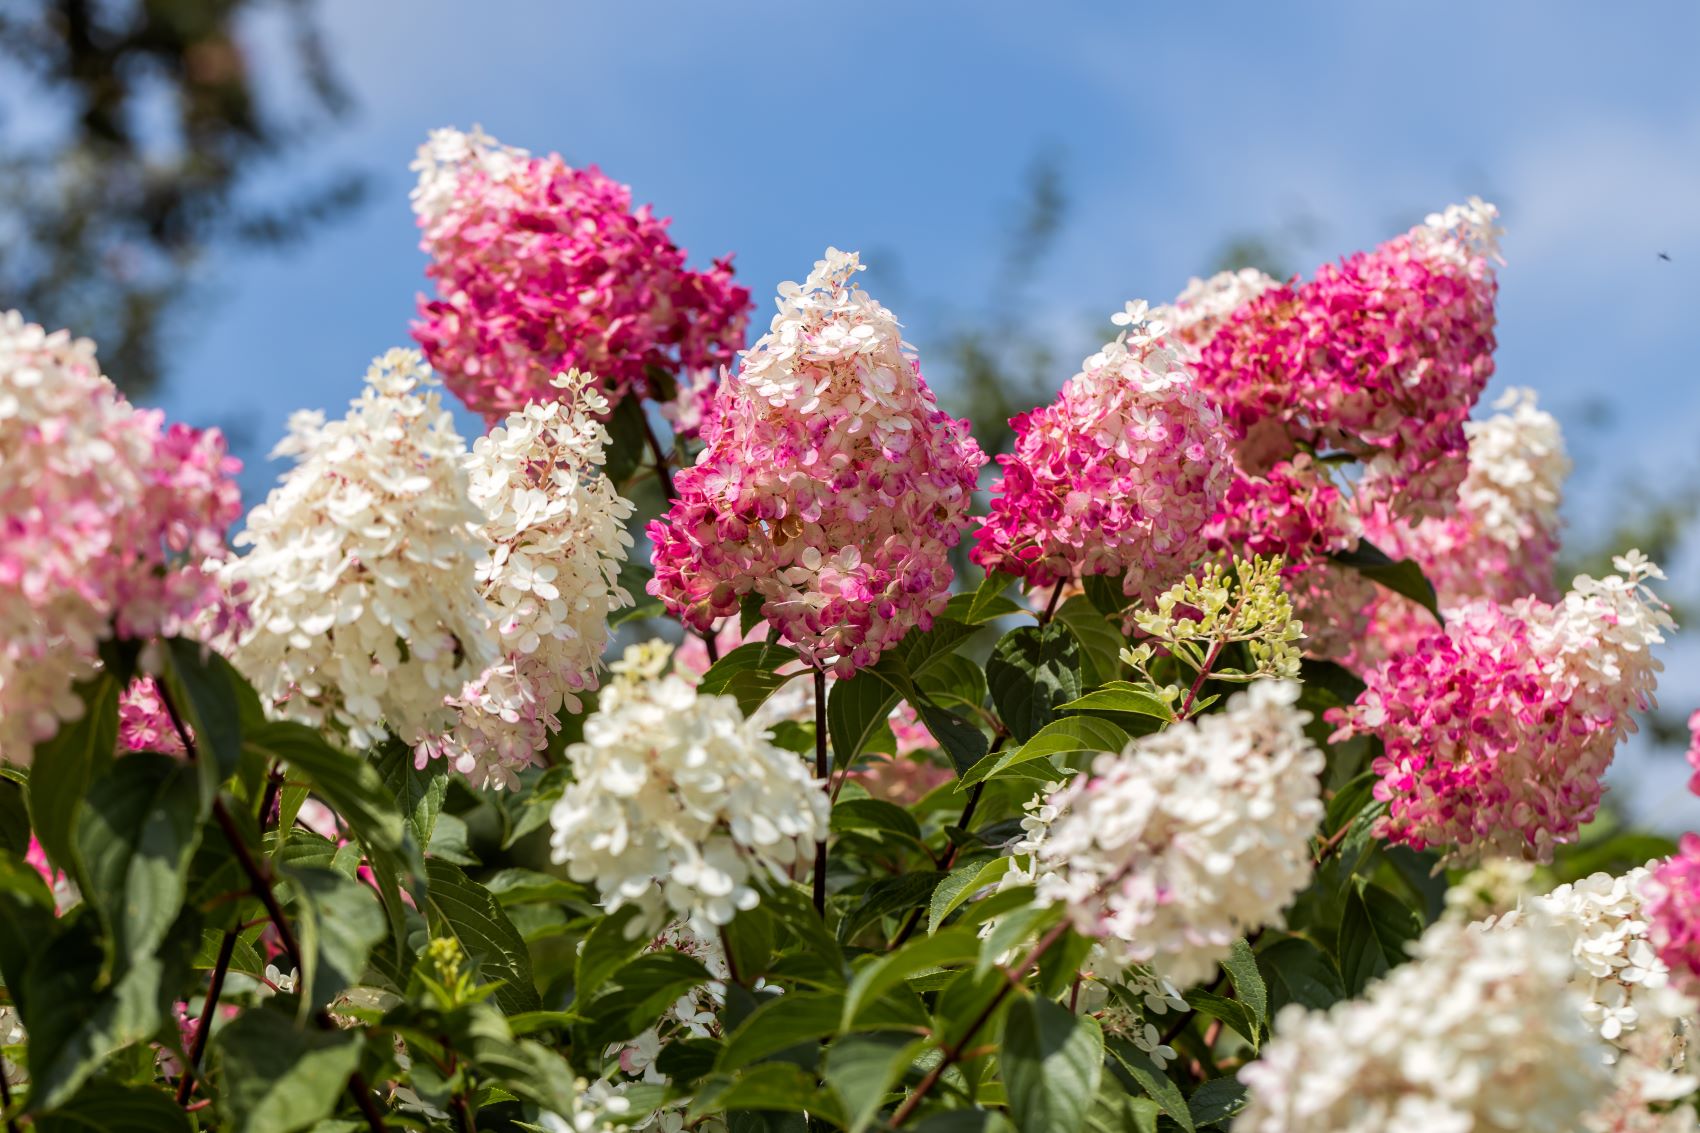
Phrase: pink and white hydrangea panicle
(1379, 357)
(1502, 542)
(554, 529)
(1479, 1033)
(1204, 303)
(832, 486)
(1672, 894)
(680, 805)
(109, 518)
(1118, 476)
(1497, 730)
(1189, 839)
(366, 614)
(542, 268)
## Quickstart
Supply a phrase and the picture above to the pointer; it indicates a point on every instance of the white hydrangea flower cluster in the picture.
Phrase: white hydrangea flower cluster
(1493, 888)
(1194, 315)
(1626, 996)
(445, 159)
(1597, 644)
(679, 803)
(1626, 987)
(555, 529)
(365, 612)
(598, 1107)
(1480, 1033)
(1518, 465)
(1190, 838)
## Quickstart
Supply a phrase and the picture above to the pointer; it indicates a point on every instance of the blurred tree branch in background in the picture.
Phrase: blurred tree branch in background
(129, 142)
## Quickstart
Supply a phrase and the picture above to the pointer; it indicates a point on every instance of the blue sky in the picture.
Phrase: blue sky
(904, 130)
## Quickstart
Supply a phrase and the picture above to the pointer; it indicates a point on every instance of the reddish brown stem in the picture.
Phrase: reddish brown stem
(954, 1054)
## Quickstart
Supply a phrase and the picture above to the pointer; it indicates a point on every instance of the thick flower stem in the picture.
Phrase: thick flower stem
(823, 769)
(954, 1054)
(215, 987)
(1051, 606)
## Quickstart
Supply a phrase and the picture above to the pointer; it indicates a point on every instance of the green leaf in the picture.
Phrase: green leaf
(1052, 1060)
(1296, 971)
(747, 674)
(340, 921)
(781, 1023)
(460, 907)
(963, 742)
(14, 818)
(1122, 696)
(1402, 576)
(75, 1023)
(1374, 932)
(962, 883)
(857, 708)
(888, 896)
(877, 815)
(351, 785)
(872, 981)
(105, 1106)
(749, 612)
(1104, 592)
(644, 988)
(66, 764)
(1231, 1011)
(137, 834)
(1066, 736)
(204, 687)
(954, 682)
(418, 792)
(654, 608)
(1241, 966)
(607, 948)
(1032, 670)
(1152, 1080)
(1216, 1101)
(778, 1086)
(863, 1069)
(986, 602)
(749, 943)
(278, 1077)
(627, 440)
(1349, 801)
(1100, 639)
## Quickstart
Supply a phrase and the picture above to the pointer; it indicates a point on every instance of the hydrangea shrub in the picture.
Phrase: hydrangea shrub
(1227, 758)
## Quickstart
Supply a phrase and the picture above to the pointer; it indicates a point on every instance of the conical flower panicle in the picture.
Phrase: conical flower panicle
(542, 268)
(1118, 476)
(832, 487)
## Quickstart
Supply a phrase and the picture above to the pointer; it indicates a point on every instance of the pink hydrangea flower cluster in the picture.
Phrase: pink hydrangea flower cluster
(832, 486)
(107, 515)
(1118, 476)
(1496, 731)
(143, 722)
(1694, 751)
(1380, 356)
(541, 268)
(1672, 893)
(1294, 510)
